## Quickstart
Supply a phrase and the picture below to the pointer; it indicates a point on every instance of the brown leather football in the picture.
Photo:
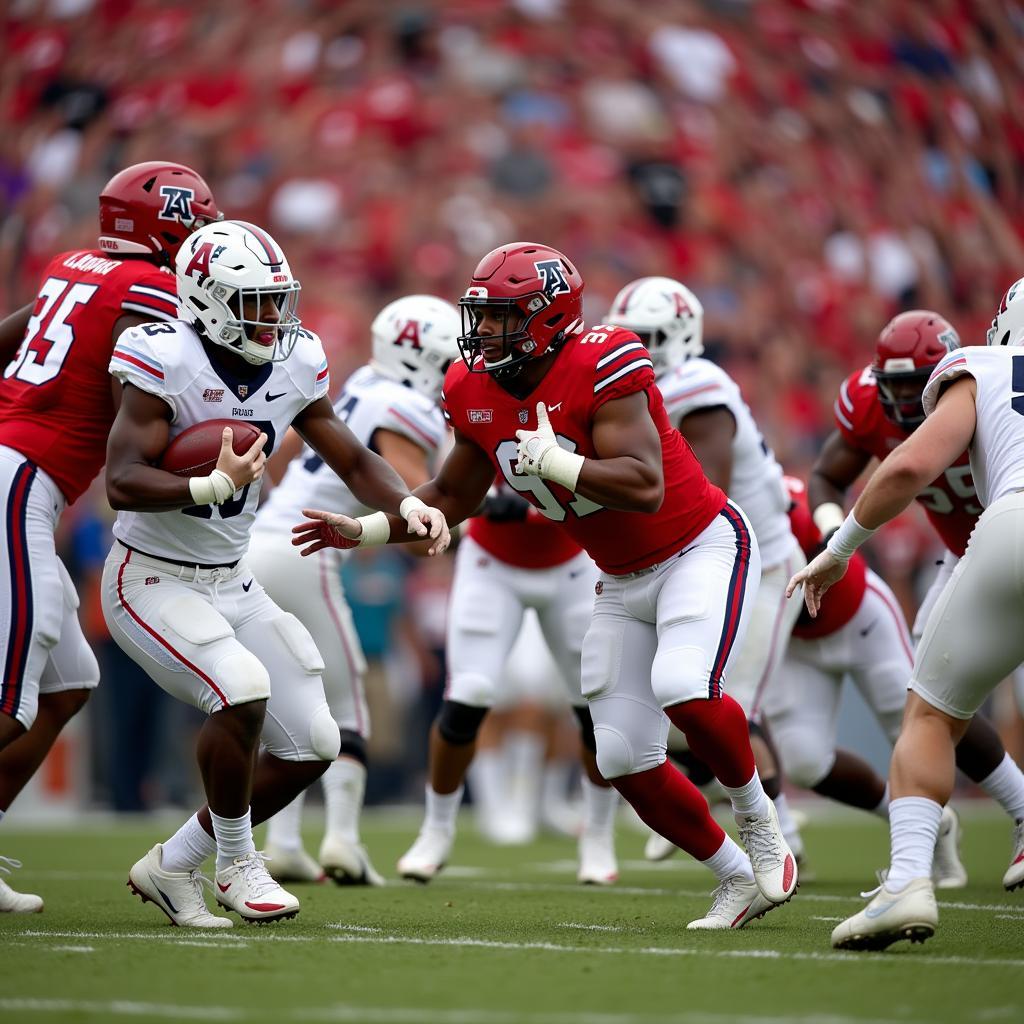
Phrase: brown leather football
(194, 452)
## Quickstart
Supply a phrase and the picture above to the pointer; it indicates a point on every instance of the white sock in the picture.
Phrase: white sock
(554, 787)
(882, 810)
(525, 752)
(914, 827)
(488, 782)
(344, 785)
(188, 847)
(599, 806)
(728, 861)
(749, 800)
(1006, 786)
(442, 810)
(284, 829)
(790, 831)
(234, 838)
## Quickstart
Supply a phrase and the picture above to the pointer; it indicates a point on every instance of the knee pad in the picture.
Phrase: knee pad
(324, 734)
(459, 723)
(472, 689)
(353, 745)
(680, 674)
(806, 760)
(242, 677)
(586, 728)
(617, 756)
(300, 643)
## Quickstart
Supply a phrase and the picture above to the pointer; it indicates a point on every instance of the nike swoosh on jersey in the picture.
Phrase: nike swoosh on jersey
(246, 586)
(272, 398)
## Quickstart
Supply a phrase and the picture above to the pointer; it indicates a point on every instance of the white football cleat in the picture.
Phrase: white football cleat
(910, 914)
(179, 894)
(658, 848)
(598, 865)
(426, 856)
(1014, 877)
(248, 889)
(771, 858)
(348, 863)
(13, 902)
(292, 865)
(948, 871)
(736, 902)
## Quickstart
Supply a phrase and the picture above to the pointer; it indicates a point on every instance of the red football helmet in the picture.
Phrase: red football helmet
(539, 295)
(908, 349)
(151, 208)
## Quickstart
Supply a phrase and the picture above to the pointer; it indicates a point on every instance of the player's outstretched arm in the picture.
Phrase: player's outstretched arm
(930, 450)
(139, 437)
(837, 467)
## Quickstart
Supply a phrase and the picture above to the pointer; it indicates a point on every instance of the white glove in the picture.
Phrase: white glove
(541, 455)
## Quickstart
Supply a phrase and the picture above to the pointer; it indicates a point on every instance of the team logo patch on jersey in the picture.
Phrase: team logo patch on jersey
(481, 415)
(524, 415)
(552, 277)
(599, 588)
(177, 203)
(213, 395)
(150, 580)
(243, 390)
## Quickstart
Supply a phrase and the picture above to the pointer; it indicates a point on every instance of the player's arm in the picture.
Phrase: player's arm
(710, 433)
(837, 467)
(930, 450)
(367, 475)
(139, 437)
(405, 457)
(12, 332)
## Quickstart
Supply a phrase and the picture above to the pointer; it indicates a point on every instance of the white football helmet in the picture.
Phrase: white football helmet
(226, 271)
(415, 339)
(666, 315)
(1008, 324)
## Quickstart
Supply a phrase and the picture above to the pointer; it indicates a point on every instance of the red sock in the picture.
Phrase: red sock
(667, 801)
(717, 733)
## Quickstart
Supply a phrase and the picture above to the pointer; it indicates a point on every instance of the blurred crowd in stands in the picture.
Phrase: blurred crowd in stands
(808, 167)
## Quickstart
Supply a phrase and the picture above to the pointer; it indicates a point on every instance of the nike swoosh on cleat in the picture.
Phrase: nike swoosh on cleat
(739, 916)
(223, 888)
(265, 908)
(163, 896)
(873, 912)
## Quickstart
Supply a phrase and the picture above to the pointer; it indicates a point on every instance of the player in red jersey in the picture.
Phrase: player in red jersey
(576, 416)
(878, 408)
(56, 410)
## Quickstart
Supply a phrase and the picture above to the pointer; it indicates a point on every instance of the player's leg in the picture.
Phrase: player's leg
(564, 621)
(484, 617)
(703, 604)
(971, 642)
(176, 631)
(31, 613)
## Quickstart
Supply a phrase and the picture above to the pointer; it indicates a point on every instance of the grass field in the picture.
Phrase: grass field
(506, 936)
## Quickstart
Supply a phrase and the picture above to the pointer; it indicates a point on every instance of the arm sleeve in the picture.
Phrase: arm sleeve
(135, 360)
(952, 366)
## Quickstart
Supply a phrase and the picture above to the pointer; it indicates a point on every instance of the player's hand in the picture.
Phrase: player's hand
(430, 522)
(817, 577)
(326, 530)
(242, 469)
(535, 444)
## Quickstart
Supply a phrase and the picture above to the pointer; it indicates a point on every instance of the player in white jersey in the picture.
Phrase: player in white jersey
(391, 406)
(974, 399)
(706, 405)
(177, 594)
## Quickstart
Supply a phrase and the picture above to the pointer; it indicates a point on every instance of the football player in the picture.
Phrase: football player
(55, 413)
(177, 593)
(972, 639)
(511, 558)
(573, 419)
(705, 404)
(391, 405)
(878, 408)
(859, 634)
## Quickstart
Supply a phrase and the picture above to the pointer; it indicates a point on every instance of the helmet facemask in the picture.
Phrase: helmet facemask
(518, 345)
(899, 393)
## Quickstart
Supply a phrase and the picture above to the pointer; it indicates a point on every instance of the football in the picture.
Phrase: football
(194, 452)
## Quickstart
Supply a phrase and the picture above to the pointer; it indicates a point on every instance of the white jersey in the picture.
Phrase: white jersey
(169, 360)
(367, 403)
(997, 450)
(756, 485)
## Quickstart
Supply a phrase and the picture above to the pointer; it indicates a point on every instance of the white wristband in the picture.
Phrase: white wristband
(848, 538)
(409, 504)
(376, 529)
(214, 489)
(562, 467)
(828, 517)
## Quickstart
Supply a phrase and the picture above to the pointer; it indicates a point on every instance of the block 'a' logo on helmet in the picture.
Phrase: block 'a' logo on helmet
(177, 203)
(552, 277)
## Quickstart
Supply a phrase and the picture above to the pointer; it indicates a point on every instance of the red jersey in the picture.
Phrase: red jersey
(55, 399)
(842, 600)
(950, 501)
(589, 370)
(532, 543)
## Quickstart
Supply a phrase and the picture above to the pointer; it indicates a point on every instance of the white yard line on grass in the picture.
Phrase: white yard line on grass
(123, 1008)
(590, 927)
(467, 942)
(73, 949)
